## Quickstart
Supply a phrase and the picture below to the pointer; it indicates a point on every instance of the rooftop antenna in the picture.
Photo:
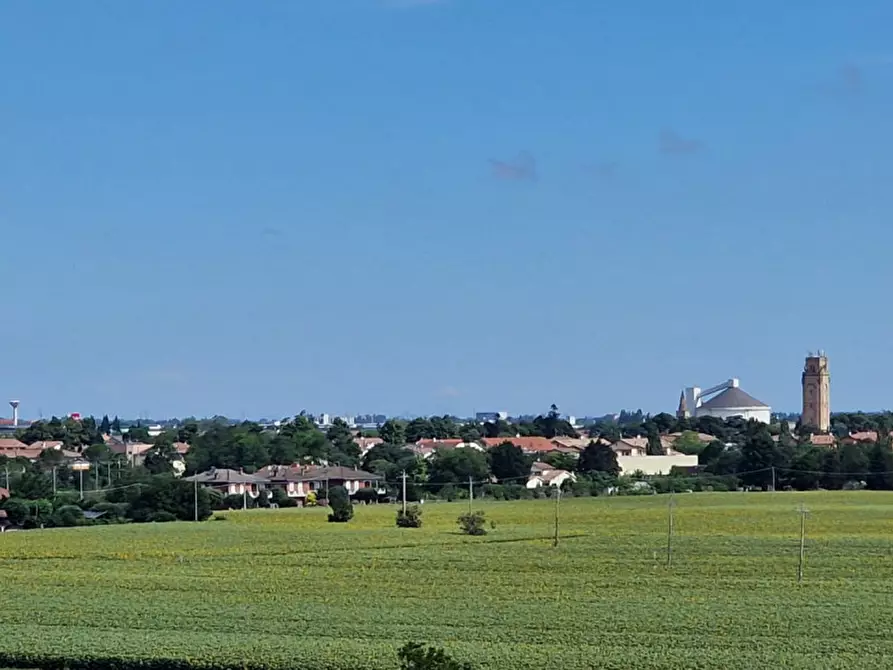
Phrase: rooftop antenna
(15, 412)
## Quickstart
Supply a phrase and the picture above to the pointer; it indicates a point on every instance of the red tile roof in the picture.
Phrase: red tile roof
(10, 443)
(438, 443)
(528, 444)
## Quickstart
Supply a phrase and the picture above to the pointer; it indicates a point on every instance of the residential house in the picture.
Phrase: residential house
(426, 448)
(12, 448)
(366, 443)
(231, 482)
(537, 446)
(134, 452)
(542, 474)
(822, 440)
(631, 446)
(299, 480)
(860, 437)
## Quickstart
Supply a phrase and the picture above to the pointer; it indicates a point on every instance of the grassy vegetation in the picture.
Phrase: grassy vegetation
(285, 588)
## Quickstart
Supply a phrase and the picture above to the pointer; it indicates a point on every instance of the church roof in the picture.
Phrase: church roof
(732, 398)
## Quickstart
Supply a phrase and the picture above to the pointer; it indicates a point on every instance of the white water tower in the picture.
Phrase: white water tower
(15, 412)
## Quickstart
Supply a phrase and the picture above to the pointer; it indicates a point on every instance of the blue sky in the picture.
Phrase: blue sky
(253, 208)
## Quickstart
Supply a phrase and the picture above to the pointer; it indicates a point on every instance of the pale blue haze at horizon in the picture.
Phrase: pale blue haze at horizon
(256, 208)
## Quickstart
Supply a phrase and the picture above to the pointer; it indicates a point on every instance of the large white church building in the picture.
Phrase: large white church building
(724, 401)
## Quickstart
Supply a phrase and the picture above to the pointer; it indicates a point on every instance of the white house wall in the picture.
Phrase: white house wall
(654, 465)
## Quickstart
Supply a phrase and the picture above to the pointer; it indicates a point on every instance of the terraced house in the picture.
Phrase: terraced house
(299, 480)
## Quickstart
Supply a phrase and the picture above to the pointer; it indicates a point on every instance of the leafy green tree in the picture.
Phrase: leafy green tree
(552, 425)
(418, 429)
(16, 510)
(508, 461)
(105, 427)
(470, 432)
(458, 465)
(116, 426)
(806, 466)
(187, 431)
(664, 422)
(689, 443)
(598, 458)
(97, 453)
(393, 431)
(759, 454)
(560, 460)
(655, 447)
(33, 486)
(880, 464)
(342, 507)
(344, 450)
(499, 428)
(137, 434)
(853, 461)
(167, 499)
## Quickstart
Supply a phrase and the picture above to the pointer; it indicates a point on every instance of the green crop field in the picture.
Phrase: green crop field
(286, 589)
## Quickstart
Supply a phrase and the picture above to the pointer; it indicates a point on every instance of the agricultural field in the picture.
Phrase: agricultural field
(283, 588)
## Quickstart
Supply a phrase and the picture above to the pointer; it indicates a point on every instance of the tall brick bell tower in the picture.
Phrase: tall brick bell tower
(816, 382)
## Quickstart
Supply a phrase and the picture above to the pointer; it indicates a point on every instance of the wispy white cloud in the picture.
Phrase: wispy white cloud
(522, 168)
(671, 143)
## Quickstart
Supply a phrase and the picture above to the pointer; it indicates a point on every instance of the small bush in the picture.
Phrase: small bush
(416, 657)
(473, 523)
(342, 508)
(412, 518)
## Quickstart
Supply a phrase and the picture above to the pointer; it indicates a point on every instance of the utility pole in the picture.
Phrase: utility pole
(7, 477)
(803, 512)
(195, 498)
(470, 494)
(96, 479)
(557, 506)
(670, 507)
(773, 478)
(81, 473)
(404, 492)
(244, 497)
(109, 468)
(54, 481)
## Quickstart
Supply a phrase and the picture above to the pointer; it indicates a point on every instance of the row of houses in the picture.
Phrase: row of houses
(632, 452)
(133, 452)
(297, 481)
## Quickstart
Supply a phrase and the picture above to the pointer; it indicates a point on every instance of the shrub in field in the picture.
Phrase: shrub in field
(416, 657)
(16, 510)
(281, 499)
(67, 515)
(473, 523)
(310, 499)
(342, 508)
(233, 501)
(412, 518)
